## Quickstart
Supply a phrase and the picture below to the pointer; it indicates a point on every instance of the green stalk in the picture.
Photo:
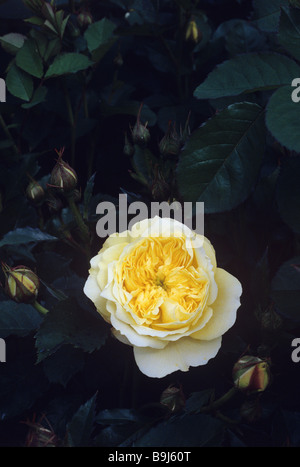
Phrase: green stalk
(219, 402)
(71, 121)
(40, 308)
(84, 231)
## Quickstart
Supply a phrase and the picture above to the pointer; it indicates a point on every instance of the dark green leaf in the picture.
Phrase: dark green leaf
(248, 73)
(80, 427)
(25, 235)
(28, 59)
(282, 118)
(21, 384)
(116, 416)
(66, 323)
(288, 193)
(38, 97)
(289, 31)
(220, 163)
(198, 400)
(99, 37)
(267, 13)
(285, 289)
(65, 363)
(18, 319)
(19, 83)
(12, 42)
(186, 431)
(68, 63)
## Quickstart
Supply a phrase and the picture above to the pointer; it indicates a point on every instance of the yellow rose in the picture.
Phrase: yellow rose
(159, 287)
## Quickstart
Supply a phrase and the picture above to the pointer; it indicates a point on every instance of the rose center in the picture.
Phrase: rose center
(163, 280)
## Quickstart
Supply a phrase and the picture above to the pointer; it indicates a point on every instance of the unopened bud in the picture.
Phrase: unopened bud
(35, 192)
(140, 132)
(84, 19)
(251, 374)
(21, 283)
(63, 176)
(192, 32)
(170, 143)
(173, 398)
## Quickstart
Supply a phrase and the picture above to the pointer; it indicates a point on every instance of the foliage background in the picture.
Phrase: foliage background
(80, 86)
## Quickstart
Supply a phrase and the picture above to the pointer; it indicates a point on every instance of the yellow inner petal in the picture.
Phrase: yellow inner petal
(165, 282)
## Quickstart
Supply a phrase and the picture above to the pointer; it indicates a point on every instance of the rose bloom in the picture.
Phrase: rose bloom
(159, 287)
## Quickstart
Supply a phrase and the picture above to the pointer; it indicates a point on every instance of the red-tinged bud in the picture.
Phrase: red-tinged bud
(40, 435)
(140, 132)
(63, 176)
(173, 398)
(21, 283)
(170, 143)
(84, 19)
(251, 374)
(35, 193)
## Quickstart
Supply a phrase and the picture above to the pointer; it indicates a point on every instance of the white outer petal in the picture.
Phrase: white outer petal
(178, 355)
(92, 291)
(224, 308)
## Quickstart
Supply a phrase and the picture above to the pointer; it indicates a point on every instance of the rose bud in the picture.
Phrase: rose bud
(251, 374)
(22, 284)
(170, 143)
(192, 32)
(173, 398)
(140, 133)
(35, 192)
(62, 175)
(84, 19)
